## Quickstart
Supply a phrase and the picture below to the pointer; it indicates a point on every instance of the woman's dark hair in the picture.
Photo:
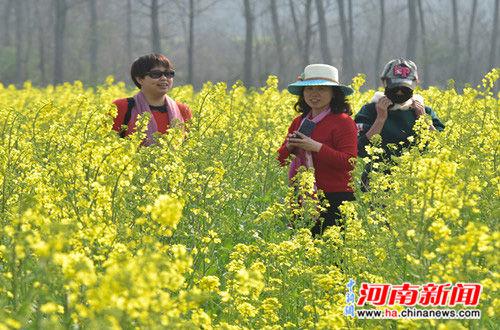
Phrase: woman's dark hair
(337, 105)
(144, 64)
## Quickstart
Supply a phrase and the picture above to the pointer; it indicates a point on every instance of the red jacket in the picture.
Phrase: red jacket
(338, 134)
(161, 118)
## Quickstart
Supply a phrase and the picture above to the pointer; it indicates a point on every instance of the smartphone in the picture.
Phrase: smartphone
(307, 127)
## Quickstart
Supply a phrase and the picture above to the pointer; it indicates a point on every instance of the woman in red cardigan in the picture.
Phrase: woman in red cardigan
(332, 141)
(154, 75)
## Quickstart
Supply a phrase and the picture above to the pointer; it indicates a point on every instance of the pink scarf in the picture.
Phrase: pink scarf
(304, 158)
(141, 106)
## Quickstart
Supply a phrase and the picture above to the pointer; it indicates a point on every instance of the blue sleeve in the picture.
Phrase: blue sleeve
(436, 122)
(364, 120)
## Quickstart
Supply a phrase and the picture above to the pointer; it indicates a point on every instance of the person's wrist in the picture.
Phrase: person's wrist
(318, 146)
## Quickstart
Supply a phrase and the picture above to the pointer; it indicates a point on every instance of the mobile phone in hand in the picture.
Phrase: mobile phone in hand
(306, 127)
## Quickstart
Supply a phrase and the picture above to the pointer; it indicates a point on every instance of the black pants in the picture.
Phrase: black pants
(331, 215)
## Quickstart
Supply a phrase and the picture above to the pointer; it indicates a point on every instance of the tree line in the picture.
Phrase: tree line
(53, 41)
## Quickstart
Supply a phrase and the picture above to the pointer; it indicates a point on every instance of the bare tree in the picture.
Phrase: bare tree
(28, 25)
(308, 33)
(411, 45)
(61, 11)
(6, 22)
(128, 36)
(94, 40)
(249, 29)
(469, 37)
(425, 63)
(296, 25)
(153, 7)
(277, 36)
(351, 21)
(190, 47)
(323, 33)
(195, 9)
(20, 67)
(380, 40)
(155, 27)
(494, 37)
(61, 8)
(41, 44)
(347, 47)
(456, 39)
(303, 41)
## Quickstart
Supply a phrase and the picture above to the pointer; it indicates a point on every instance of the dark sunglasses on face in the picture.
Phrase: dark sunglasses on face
(156, 74)
(402, 89)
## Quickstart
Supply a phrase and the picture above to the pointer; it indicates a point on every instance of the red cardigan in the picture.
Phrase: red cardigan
(338, 134)
(161, 118)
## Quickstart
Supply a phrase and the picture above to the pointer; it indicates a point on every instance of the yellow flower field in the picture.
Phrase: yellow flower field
(100, 233)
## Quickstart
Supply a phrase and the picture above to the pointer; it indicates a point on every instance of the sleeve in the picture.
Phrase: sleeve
(436, 122)
(121, 105)
(283, 151)
(186, 113)
(364, 122)
(345, 137)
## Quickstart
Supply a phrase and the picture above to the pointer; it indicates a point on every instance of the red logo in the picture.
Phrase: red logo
(402, 71)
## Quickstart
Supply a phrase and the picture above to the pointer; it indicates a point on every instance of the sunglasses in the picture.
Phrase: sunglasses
(402, 89)
(156, 74)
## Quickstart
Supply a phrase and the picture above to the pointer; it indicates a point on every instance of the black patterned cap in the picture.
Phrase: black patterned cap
(400, 72)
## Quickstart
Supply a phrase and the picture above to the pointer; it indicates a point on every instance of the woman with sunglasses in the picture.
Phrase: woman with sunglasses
(154, 75)
(393, 113)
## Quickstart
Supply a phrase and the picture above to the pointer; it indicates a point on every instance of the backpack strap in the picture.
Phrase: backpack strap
(128, 114)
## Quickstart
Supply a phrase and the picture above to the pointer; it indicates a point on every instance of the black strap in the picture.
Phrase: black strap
(128, 114)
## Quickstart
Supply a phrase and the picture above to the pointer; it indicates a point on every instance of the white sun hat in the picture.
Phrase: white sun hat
(319, 75)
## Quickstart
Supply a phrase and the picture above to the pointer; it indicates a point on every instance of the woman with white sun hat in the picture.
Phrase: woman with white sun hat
(323, 137)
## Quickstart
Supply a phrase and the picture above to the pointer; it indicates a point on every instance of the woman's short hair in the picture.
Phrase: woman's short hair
(338, 103)
(144, 64)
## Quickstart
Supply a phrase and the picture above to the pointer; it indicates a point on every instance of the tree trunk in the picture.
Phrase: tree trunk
(296, 25)
(469, 38)
(61, 10)
(494, 37)
(155, 27)
(6, 23)
(260, 62)
(411, 45)
(351, 38)
(20, 14)
(351, 24)
(380, 45)
(277, 37)
(247, 65)
(347, 51)
(308, 33)
(29, 25)
(323, 33)
(456, 45)
(128, 36)
(425, 77)
(191, 44)
(94, 40)
(41, 45)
